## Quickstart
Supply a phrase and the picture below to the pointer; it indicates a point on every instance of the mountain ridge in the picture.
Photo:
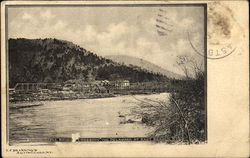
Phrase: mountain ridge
(130, 60)
(53, 60)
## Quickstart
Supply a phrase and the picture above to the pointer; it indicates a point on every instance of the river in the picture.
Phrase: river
(88, 118)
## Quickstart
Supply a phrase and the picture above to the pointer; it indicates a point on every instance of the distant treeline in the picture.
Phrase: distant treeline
(52, 60)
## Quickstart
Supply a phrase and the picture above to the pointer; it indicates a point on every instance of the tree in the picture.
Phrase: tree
(90, 76)
(190, 66)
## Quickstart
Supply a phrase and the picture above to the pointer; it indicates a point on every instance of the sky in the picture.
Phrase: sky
(117, 30)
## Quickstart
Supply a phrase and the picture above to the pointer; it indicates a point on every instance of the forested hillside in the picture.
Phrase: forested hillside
(130, 60)
(52, 60)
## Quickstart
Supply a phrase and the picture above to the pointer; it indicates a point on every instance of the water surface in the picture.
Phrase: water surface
(90, 118)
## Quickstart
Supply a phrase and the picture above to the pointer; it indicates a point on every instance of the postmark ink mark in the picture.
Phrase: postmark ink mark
(215, 52)
(163, 25)
(224, 33)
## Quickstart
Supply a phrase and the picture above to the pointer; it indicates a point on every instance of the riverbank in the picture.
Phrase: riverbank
(52, 96)
(68, 95)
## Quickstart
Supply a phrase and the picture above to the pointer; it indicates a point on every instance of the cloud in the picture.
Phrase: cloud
(188, 22)
(89, 34)
(149, 26)
(59, 25)
(119, 28)
(143, 43)
(47, 14)
(26, 16)
(113, 39)
(114, 32)
(135, 37)
(181, 47)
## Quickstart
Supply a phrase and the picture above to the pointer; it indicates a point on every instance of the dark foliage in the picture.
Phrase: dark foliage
(191, 102)
(52, 60)
(182, 117)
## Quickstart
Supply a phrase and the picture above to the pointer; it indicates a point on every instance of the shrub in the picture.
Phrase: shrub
(181, 117)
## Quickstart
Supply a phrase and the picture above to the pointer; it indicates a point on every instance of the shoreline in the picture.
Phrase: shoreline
(38, 100)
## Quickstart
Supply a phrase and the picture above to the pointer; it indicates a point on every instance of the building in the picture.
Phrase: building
(121, 83)
(101, 82)
(105, 83)
(11, 90)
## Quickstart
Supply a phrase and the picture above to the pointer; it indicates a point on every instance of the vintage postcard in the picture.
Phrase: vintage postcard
(125, 78)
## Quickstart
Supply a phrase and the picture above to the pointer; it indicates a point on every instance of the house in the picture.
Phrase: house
(11, 90)
(105, 83)
(122, 83)
(125, 83)
(101, 82)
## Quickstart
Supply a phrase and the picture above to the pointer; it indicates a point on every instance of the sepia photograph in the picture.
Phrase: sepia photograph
(100, 73)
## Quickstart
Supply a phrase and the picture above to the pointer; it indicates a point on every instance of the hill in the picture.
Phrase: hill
(53, 60)
(129, 60)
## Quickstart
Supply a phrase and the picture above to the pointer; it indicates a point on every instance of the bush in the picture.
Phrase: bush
(181, 118)
(189, 104)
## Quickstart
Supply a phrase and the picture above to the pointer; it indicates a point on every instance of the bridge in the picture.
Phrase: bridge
(33, 86)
